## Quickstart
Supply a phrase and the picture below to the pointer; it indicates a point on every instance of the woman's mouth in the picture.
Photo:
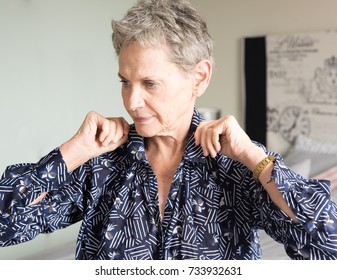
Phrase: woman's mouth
(141, 119)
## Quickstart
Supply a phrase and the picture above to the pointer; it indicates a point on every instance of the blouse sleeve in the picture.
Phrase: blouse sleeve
(314, 236)
(21, 184)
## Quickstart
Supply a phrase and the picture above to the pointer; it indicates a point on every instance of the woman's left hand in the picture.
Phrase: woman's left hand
(226, 136)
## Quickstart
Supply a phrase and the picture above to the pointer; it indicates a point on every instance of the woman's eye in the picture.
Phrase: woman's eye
(150, 84)
(124, 82)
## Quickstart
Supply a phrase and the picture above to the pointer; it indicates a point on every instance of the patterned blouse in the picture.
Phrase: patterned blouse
(214, 209)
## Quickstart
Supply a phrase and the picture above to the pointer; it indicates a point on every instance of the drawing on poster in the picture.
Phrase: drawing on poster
(289, 123)
(324, 84)
(301, 88)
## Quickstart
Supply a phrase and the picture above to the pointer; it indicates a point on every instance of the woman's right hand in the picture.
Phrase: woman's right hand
(97, 135)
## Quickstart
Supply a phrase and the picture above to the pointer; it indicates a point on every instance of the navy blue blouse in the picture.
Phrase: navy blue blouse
(213, 211)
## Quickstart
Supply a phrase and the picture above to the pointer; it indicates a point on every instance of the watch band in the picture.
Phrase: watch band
(263, 163)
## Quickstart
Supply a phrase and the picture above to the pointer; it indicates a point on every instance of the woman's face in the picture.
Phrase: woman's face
(156, 93)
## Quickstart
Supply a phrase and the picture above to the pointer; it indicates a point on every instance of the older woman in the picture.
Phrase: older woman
(169, 186)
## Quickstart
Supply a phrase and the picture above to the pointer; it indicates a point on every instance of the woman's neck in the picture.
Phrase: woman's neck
(165, 146)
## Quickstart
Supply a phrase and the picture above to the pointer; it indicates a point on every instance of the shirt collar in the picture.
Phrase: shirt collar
(135, 145)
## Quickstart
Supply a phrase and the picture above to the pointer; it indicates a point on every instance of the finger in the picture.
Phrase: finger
(111, 133)
(119, 132)
(212, 139)
(197, 136)
(204, 141)
(199, 132)
(121, 139)
(216, 139)
(107, 133)
(103, 128)
(100, 124)
(121, 129)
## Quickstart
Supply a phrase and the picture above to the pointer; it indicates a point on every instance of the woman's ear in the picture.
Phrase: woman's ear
(202, 76)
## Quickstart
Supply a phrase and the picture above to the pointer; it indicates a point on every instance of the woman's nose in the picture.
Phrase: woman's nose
(134, 99)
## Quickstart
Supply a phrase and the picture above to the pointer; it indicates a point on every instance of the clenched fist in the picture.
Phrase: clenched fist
(97, 135)
(227, 137)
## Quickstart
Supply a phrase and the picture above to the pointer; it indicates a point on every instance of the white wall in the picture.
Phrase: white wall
(231, 20)
(57, 63)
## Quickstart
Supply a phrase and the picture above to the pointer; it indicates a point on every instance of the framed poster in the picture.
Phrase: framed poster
(291, 88)
(301, 88)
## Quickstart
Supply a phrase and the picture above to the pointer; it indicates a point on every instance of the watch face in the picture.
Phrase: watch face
(293, 122)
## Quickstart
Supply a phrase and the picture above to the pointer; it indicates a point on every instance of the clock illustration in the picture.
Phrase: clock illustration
(293, 122)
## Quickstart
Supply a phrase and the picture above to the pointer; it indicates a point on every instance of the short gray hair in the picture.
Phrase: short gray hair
(172, 22)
